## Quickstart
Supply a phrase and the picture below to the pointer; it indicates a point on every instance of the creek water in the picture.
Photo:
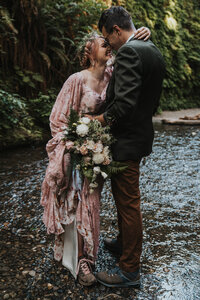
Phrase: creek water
(170, 194)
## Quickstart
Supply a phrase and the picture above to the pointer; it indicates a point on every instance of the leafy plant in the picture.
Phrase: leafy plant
(175, 31)
(39, 37)
(40, 108)
(16, 124)
(13, 111)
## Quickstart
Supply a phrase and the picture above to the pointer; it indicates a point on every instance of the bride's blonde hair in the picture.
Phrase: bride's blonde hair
(86, 50)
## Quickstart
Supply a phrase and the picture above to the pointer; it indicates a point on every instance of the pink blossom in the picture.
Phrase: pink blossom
(106, 161)
(83, 150)
(69, 145)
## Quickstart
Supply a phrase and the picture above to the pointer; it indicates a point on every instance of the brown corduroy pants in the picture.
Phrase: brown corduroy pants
(125, 188)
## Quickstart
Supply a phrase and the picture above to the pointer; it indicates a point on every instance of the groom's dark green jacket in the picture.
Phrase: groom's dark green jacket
(132, 97)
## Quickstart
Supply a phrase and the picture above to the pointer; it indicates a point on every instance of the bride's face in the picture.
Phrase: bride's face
(103, 50)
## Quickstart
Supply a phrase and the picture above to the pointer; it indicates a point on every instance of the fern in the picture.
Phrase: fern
(116, 167)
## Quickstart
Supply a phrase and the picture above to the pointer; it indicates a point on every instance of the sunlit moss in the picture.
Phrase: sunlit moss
(187, 69)
(172, 3)
(170, 21)
(175, 30)
(150, 22)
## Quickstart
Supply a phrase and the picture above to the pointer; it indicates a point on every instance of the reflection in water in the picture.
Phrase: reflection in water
(170, 190)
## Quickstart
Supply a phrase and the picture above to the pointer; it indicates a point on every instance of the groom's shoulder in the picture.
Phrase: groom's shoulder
(141, 46)
(135, 45)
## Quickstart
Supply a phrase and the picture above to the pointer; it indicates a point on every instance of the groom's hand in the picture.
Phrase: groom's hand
(100, 118)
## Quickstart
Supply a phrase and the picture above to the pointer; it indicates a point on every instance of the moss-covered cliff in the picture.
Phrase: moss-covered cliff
(38, 43)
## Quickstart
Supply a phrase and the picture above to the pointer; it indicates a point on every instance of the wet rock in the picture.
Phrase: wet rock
(32, 273)
(13, 295)
(25, 273)
(50, 286)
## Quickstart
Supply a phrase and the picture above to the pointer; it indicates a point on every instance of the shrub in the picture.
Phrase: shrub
(175, 31)
(40, 107)
(13, 112)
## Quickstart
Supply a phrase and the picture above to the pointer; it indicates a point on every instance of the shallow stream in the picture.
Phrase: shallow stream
(170, 192)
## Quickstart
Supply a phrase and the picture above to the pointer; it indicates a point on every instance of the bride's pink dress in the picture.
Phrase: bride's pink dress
(63, 214)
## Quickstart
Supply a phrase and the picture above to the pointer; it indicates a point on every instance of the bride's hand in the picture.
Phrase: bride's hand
(143, 33)
(100, 118)
(89, 117)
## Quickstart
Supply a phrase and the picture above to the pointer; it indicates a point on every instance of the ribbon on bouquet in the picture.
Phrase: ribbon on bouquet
(77, 182)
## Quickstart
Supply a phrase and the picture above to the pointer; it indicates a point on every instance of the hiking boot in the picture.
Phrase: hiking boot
(113, 245)
(118, 278)
(85, 275)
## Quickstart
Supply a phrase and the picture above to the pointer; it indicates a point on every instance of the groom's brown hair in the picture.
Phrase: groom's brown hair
(115, 15)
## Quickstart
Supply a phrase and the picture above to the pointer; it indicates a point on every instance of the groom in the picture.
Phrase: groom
(132, 98)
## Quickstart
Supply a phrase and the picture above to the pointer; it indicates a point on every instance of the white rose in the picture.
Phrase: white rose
(96, 170)
(98, 158)
(98, 147)
(82, 130)
(90, 145)
(106, 151)
(85, 120)
(105, 137)
(104, 175)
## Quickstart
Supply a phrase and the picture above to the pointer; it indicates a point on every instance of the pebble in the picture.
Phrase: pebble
(25, 273)
(13, 295)
(170, 217)
(32, 273)
(50, 286)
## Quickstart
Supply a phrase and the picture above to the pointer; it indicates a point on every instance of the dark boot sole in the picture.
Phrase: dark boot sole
(83, 283)
(135, 284)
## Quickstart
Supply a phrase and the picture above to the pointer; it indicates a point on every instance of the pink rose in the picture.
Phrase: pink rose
(83, 150)
(106, 161)
(69, 145)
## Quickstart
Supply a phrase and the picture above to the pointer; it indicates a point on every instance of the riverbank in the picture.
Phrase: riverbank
(181, 117)
(39, 136)
(23, 138)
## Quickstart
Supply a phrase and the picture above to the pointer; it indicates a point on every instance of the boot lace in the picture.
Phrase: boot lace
(84, 266)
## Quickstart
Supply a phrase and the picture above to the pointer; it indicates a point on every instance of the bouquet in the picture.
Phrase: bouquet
(89, 144)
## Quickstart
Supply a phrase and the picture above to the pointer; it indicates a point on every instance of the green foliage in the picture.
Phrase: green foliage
(88, 173)
(38, 51)
(40, 37)
(175, 31)
(72, 119)
(116, 167)
(40, 108)
(13, 111)
(16, 125)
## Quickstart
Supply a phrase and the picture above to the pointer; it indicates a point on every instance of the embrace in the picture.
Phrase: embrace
(124, 96)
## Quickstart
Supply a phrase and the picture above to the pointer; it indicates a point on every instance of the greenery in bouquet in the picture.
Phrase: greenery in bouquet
(89, 144)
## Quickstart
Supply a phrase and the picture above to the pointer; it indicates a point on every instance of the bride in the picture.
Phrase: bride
(75, 223)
